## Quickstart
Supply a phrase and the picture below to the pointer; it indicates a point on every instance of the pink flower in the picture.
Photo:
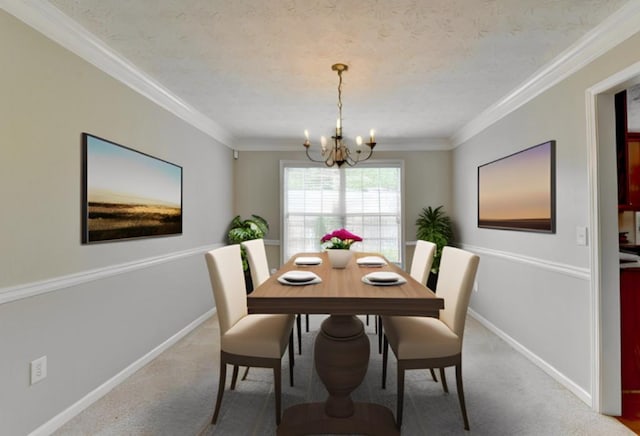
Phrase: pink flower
(341, 238)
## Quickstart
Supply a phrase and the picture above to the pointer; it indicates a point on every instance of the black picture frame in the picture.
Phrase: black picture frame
(518, 192)
(127, 194)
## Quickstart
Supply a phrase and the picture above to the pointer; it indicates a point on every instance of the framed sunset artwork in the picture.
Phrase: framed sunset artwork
(517, 192)
(128, 194)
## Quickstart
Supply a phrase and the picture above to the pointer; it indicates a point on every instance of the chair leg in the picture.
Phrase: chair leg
(433, 375)
(221, 383)
(234, 378)
(385, 355)
(299, 330)
(400, 395)
(444, 381)
(277, 370)
(463, 407)
(291, 361)
(246, 372)
(307, 319)
(379, 329)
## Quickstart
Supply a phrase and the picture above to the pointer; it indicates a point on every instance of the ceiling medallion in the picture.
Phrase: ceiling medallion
(338, 153)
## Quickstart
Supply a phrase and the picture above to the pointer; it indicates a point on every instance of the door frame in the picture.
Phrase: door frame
(606, 392)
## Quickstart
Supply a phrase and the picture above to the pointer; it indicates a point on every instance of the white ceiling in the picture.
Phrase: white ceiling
(418, 70)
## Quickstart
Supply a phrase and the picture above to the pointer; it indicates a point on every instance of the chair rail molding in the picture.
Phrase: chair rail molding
(557, 267)
(13, 293)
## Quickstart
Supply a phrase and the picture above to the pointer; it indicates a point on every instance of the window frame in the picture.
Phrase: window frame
(376, 163)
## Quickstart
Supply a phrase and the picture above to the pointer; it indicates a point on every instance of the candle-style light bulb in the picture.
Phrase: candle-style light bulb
(372, 137)
(359, 140)
(306, 135)
(338, 124)
(323, 143)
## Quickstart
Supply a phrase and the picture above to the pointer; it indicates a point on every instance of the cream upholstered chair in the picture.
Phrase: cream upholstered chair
(259, 267)
(420, 267)
(421, 342)
(248, 340)
(422, 260)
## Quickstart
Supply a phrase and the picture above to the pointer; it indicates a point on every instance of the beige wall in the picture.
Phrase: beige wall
(534, 287)
(257, 187)
(101, 311)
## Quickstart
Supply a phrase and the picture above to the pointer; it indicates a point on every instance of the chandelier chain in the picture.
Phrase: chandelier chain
(340, 96)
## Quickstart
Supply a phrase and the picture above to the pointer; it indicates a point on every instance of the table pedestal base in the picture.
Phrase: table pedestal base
(341, 360)
(310, 418)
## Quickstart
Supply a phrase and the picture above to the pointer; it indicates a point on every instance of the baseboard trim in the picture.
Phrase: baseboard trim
(19, 292)
(557, 267)
(539, 362)
(66, 415)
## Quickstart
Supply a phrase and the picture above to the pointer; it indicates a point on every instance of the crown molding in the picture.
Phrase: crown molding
(385, 144)
(612, 31)
(52, 23)
(48, 20)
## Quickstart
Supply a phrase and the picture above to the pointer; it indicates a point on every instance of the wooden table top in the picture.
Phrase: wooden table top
(342, 292)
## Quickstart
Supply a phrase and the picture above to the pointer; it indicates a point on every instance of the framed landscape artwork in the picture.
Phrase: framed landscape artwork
(128, 194)
(517, 192)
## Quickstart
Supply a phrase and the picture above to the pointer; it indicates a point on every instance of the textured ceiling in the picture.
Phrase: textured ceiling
(262, 69)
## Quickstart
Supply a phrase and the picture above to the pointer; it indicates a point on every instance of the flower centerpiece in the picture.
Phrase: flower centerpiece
(338, 244)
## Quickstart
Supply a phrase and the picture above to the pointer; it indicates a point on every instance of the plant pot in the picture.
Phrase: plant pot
(339, 258)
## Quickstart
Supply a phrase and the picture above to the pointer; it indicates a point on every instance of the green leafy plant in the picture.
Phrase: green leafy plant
(435, 226)
(241, 230)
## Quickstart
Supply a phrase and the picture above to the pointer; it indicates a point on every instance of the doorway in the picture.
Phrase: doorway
(604, 258)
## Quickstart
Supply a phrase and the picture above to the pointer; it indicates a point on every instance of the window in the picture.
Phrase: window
(366, 199)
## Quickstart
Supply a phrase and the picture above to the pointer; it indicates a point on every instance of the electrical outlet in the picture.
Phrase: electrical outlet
(38, 369)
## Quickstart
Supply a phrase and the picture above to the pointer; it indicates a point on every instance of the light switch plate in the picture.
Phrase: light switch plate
(581, 235)
(38, 369)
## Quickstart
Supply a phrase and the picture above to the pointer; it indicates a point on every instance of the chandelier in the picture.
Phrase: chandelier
(338, 153)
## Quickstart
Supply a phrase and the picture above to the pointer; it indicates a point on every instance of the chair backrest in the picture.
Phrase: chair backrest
(257, 257)
(227, 282)
(455, 281)
(422, 260)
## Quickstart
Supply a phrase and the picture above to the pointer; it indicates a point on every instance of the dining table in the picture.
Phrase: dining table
(341, 349)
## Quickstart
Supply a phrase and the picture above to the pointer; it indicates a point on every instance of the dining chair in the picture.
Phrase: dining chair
(420, 267)
(428, 343)
(259, 267)
(255, 340)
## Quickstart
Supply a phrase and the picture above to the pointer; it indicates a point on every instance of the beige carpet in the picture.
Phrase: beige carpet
(505, 393)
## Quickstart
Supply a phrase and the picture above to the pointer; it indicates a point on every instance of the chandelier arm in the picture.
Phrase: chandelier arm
(311, 158)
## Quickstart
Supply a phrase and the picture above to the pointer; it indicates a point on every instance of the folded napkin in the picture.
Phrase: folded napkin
(371, 261)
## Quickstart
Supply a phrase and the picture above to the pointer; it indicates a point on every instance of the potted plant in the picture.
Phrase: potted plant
(434, 226)
(338, 244)
(240, 230)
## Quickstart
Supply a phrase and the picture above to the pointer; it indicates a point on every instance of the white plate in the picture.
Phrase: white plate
(400, 281)
(296, 278)
(284, 281)
(307, 261)
(371, 261)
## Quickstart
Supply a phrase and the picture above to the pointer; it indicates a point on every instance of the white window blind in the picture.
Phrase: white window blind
(366, 200)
